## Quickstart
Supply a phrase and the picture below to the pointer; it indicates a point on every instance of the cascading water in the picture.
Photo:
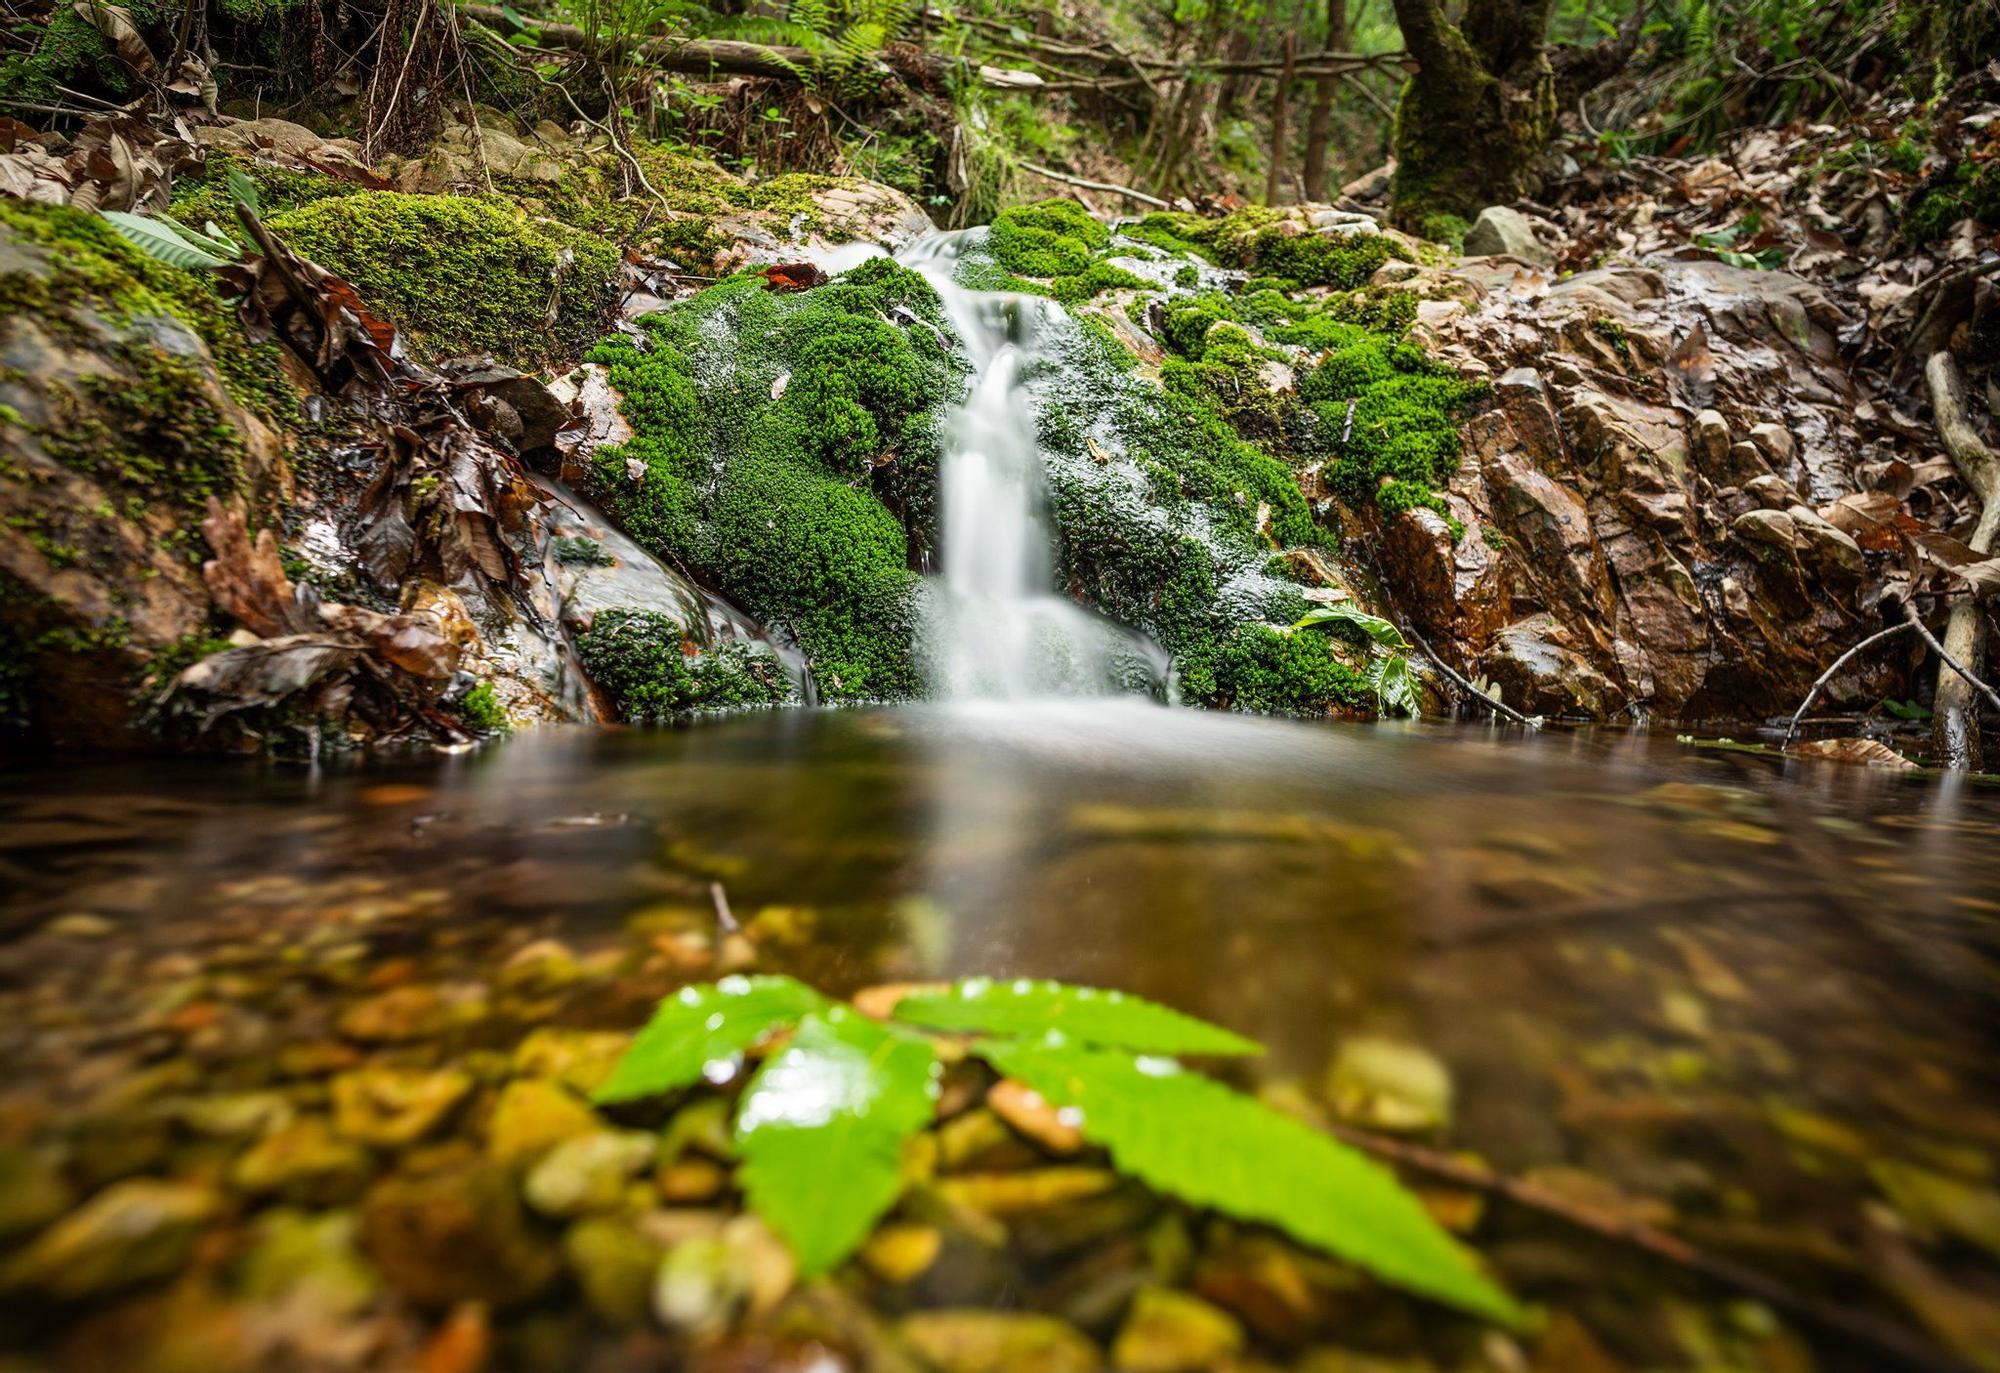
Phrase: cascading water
(1000, 629)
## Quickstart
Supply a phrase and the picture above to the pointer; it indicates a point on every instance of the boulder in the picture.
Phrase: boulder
(1501, 231)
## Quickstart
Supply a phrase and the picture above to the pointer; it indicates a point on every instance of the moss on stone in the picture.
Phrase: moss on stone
(205, 197)
(464, 274)
(778, 438)
(654, 675)
(1262, 241)
(1054, 248)
(1267, 670)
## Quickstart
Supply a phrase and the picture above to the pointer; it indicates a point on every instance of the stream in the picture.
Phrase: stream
(1749, 999)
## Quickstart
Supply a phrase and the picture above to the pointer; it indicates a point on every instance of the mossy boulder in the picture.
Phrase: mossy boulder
(128, 398)
(464, 274)
(1269, 243)
(785, 451)
(1053, 248)
(654, 673)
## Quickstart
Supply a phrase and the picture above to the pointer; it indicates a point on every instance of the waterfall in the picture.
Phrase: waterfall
(1000, 629)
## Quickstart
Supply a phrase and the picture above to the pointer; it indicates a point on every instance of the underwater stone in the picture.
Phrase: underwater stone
(954, 1341)
(587, 1172)
(395, 1106)
(531, 1117)
(449, 1229)
(132, 1232)
(302, 1162)
(1171, 1332)
(1390, 1085)
(614, 1266)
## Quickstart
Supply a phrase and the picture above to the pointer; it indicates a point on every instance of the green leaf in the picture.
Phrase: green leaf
(243, 191)
(158, 240)
(1085, 1014)
(1395, 683)
(1191, 1137)
(700, 1026)
(1345, 612)
(822, 1126)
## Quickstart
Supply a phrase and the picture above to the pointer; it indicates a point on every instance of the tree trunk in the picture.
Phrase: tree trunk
(1475, 119)
(1319, 124)
(1955, 709)
(1280, 132)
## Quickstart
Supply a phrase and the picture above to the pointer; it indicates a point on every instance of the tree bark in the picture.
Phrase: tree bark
(1955, 711)
(1280, 133)
(1319, 124)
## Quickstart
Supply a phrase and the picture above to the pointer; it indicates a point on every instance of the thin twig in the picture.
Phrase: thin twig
(1916, 622)
(1897, 1343)
(1827, 676)
(1069, 180)
(1498, 707)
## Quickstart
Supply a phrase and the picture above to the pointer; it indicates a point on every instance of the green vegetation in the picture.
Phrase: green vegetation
(822, 1167)
(1251, 240)
(779, 437)
(655, 675)
(1967, 191)
(1055, 248)
(462, 274)
(482, 710)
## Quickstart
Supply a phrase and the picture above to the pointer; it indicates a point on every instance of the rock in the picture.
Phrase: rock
(1168, 1331)
(394, 1107)
(1771, 492)
(1370, 185)
(587, 1172)
(704, 1280)
(311, 1257)
(1775, 442)
(80, 925)
(303, 1162)
(1005, 1195)
(1711, 439)
(449, 1229)
(901, 1251)
(132, 1232)
(33, 1191)
(1768, 529)
(954, 1341)
(1832, 551)
(614, 1266)
(1023, 1108)
(1388, 1084)
(1937, 1203)
(578, 1059)
(398, 1015)
(531, 1117)
(1501, 231)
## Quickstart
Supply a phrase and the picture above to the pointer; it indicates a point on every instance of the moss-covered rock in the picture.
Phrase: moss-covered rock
(464, 274)
(128, 398)
(778, 439)
(1268, 243)
(1054, 248)
(654, 674)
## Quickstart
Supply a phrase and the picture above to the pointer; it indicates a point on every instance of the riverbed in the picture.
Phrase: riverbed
(1745, 1001)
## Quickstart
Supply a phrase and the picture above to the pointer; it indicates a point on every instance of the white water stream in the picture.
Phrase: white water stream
(1001, 629)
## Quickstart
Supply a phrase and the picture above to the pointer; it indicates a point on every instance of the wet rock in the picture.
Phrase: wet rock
(1168, 1331)
(397, 1015)
(1005, 1195)
(393, 1107)
(1501, 230)
(1936, 1203)
(132, 1232)
(1771, 492)
(901, 1252)
(1024, 1108)
(449, 1229)
(998, 1342)
(1834, 553)
(587, 1172)
(1388, 1084)
(531, 1117)
(1711, 440)
(614, 1266)
(304, 1162)
(578, 1059)
(1775, 443)
(1767, 529)
(299, 1256)
(33, 1191)
(704, 1281)
(691, 1179)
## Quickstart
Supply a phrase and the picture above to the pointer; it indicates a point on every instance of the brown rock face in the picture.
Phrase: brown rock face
(1641, 498)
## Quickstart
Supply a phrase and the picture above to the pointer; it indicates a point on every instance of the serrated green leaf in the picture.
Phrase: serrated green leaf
(1186, 1135)
(822, 1127)
(160, 242)
(700, 1026)
(243, 191)
(1088, 1015)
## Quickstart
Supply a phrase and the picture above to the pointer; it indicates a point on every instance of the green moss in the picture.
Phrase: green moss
(482, 710)
(654, 675)
(1054, 248)
(790, 502)
(1969, 191)
(463, 274)
(1388, 416)
(1266, 670)
(205, 197)
(577, 551)
(93, 268)
(65, 50)
(1263, 242)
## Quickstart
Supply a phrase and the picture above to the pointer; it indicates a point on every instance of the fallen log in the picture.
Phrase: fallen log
(1954, 720)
